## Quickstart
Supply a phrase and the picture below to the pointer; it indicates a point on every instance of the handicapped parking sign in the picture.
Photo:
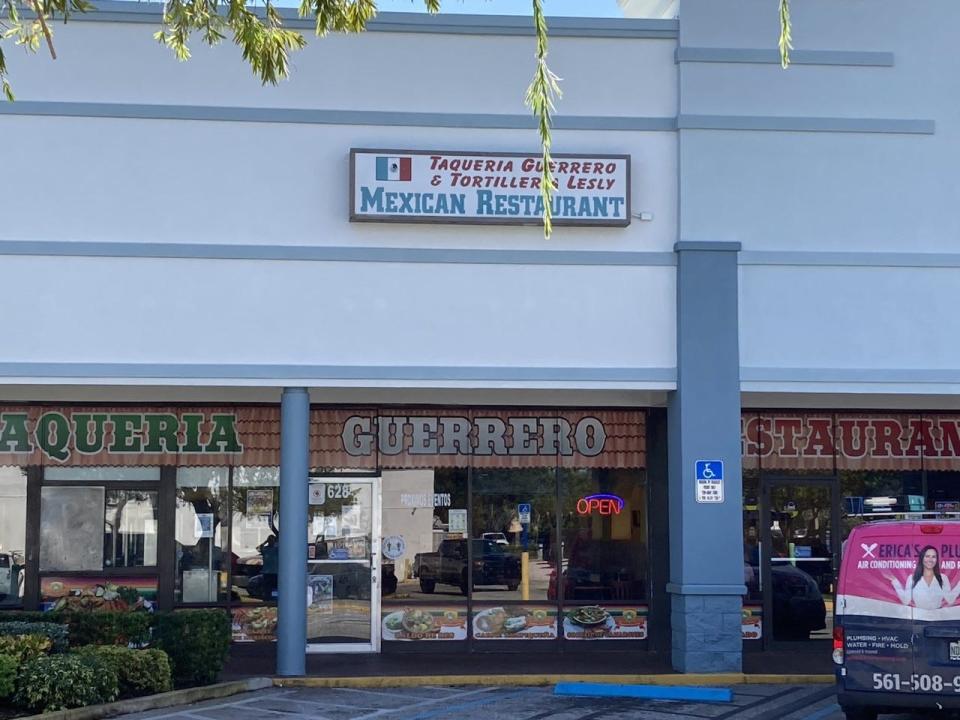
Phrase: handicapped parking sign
(523, 510)
(709, 479)
(709, 469)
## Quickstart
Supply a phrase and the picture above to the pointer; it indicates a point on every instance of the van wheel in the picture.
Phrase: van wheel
(427, 586)
(859, 713)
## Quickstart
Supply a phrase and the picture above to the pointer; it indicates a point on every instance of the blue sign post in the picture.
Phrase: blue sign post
(523, 510)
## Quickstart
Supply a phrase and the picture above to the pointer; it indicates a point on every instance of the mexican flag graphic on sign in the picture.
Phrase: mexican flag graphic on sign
(393, 168)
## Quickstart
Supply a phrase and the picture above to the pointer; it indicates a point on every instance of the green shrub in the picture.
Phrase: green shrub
(197, 642)
(58, 634)
(29, 616)
(121, 627)
(8, 675)
(25, 647)
(92, 628)
(108, 628)
(139, 672)
(58, 682)
(105, 681)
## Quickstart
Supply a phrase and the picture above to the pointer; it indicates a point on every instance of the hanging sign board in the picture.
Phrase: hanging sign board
(457, 521)
(486, 188)
(203, 525)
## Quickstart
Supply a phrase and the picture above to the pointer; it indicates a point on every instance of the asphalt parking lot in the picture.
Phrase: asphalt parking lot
(750, 702)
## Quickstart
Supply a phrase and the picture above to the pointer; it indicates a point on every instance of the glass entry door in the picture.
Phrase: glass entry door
(343, 564)
(798, 570)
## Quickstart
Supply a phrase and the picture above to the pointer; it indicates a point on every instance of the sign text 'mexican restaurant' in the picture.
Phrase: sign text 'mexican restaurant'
(487, 188)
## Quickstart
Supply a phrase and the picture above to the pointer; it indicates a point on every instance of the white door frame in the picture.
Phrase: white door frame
(376, 530)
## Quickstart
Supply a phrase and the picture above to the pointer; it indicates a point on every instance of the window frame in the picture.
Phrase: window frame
(36, 481)
(226, 551)
(142, 486)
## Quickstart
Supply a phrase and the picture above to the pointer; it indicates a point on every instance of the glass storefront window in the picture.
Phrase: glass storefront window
(426, 510)
(603, 535)
(91, 528)
(98, 524)
(255, 534)
(13, 535)
(943, 491)
(878, 494)
(474, 529)
(130, 529)
(202, 517)
(751, 536)
(512, 551)
(801, 561)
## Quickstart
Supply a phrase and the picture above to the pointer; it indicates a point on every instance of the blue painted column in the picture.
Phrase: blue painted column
(703, 418)
(292, 581)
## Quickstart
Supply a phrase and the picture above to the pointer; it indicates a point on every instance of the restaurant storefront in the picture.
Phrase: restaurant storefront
(429, 528)
(440, 528)
(809, 478)
(479, 456)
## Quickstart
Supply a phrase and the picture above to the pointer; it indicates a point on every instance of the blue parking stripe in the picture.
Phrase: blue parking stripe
(646, 692)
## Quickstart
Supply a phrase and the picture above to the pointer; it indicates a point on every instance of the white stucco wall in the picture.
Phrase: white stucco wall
(133, 180)
(254, 183)
(125, 310)
(849, 256)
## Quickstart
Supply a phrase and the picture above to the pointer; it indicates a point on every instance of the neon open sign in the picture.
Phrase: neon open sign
(601, 504)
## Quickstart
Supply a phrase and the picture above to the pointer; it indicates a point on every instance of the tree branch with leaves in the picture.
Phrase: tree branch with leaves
(786, 34)
(266, 44)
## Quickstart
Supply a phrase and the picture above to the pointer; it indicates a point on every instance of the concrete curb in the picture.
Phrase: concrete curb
(154, 702)
(703, 679)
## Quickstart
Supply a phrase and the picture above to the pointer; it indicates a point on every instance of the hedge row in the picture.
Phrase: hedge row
(187, 647)
(93, 628)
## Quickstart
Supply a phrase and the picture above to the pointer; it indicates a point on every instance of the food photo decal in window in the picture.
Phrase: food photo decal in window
(515, 623)
(115, 594)
(596, 622)
(425, 623)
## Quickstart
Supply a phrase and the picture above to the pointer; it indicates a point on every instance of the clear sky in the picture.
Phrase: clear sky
(557, 8)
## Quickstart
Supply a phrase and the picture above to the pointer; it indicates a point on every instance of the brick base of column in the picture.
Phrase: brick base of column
(706, 633)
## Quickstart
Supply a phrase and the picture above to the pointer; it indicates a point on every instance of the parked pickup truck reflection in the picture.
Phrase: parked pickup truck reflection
(492, 565)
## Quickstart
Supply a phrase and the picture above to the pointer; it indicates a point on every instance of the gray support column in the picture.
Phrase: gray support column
(706, 539)
(292, 581)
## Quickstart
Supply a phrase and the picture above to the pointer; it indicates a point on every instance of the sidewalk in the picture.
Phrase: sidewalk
(260, 660)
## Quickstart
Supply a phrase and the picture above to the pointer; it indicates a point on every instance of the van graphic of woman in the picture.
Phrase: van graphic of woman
(928, 589)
